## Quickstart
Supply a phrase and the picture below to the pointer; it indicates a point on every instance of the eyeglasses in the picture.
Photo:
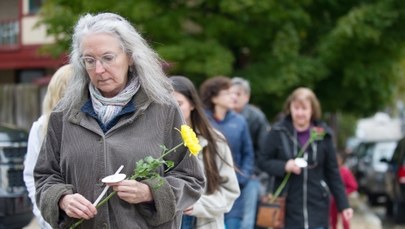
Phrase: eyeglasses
(106, 60)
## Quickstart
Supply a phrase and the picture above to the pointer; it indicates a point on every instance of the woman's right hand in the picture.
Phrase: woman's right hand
(290, 166)
(76, 206)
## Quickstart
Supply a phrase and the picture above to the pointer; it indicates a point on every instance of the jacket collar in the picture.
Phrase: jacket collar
(286, 124)
(89, 109)
(77, 116)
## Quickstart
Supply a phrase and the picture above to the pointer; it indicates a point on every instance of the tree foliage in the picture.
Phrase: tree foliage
(348, 51)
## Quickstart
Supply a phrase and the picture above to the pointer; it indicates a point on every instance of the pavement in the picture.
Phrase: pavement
(32, 225)
(364, 217)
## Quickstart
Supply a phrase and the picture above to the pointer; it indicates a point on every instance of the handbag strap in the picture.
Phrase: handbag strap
(286, 146)
(287, 149)
(285, 184)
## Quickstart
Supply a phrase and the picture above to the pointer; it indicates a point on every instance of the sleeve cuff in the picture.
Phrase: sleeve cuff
(163, 208)
(49, 204)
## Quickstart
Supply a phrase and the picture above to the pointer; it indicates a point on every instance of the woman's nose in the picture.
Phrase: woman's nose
(99, 67)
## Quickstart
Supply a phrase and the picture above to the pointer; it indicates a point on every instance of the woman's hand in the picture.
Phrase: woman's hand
(290, 166)
(347, 213)
(188, 211)
(133, 191)
(76, 206)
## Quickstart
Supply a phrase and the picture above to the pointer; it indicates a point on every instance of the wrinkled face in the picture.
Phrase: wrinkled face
(301, 112)
(241, 97)
(225, 99)
(185, 106)
(106, 63)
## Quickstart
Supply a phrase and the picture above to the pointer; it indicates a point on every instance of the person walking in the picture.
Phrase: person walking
(219, 103)
(54, 93)
(222, 185)
(258, 128)
(308, 188)
(118, 110)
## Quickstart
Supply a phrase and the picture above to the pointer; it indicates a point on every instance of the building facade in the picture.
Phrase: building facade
(24, 70)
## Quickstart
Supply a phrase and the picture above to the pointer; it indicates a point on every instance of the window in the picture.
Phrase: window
(30, 75)
(9, 33)
(34, 6)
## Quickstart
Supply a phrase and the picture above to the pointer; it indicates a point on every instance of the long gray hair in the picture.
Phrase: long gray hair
(146, 63)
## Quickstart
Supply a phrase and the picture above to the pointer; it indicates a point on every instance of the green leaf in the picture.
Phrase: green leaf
(169, 165)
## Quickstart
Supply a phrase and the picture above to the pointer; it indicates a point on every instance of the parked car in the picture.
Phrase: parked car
(395, 183)
(368, 166)
(15, 205)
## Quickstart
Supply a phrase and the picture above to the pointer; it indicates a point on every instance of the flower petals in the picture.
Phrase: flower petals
(190, 140)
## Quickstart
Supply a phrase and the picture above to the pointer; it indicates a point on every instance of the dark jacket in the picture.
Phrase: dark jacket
(258, 128)
(308, 194)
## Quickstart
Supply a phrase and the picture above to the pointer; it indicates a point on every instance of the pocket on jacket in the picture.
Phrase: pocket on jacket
(325, 189)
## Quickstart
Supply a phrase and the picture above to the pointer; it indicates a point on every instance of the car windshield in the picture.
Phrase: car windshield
(383, 150)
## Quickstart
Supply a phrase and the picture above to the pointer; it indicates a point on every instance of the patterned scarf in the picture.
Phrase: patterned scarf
(107, 108)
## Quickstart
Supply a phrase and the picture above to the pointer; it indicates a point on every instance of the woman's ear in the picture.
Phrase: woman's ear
(130, 61)
(214, 100)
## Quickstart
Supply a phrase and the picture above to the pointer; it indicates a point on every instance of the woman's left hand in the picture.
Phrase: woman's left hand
(347, 213)
(133, 191)
(188, 211)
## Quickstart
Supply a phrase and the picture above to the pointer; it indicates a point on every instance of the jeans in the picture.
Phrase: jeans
(232, 223)
(250, 193)
(188, 222)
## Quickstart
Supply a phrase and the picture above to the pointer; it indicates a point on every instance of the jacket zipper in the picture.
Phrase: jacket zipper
(305, 194)
(305, 191)
(305, 180)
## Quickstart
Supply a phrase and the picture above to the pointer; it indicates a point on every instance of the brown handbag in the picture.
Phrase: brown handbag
(271, 212)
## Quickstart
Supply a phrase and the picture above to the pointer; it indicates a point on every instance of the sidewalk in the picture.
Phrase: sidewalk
(363, 217)
(32, 225)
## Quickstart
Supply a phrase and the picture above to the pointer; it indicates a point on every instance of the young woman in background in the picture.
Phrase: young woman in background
(221, 183)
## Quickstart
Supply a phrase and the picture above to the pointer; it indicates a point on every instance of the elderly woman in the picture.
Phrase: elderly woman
(308, 189)
(118, 110)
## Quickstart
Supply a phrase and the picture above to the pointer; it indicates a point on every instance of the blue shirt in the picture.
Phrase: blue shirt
(236, 131)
